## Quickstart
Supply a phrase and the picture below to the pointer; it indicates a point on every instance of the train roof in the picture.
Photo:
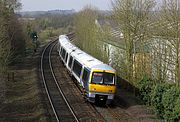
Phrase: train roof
(82, 56)
(64, 40)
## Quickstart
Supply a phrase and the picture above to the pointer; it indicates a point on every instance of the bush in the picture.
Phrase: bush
(176, 110)
(164, 97)
(156, 98)
(168, 100)
(145, 87)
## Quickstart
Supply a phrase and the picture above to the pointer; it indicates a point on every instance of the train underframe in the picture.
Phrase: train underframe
(103, 98)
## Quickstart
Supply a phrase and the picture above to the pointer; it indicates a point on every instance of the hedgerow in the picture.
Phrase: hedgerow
(156, 98)
(169, 100)
(145, 87)
(163, 97)
(176, 110)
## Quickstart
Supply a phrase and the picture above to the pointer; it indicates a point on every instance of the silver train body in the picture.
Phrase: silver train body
(98, 80)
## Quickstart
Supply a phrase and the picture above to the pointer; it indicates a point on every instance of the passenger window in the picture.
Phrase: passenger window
(85, 76)
(66, 57)
(77, 68)
(63, 53)
(70, 62)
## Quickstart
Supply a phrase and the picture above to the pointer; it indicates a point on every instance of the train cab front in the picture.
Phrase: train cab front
(102, 87)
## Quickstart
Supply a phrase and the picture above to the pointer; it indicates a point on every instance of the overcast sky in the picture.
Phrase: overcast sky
(41, 5)
(35, 5)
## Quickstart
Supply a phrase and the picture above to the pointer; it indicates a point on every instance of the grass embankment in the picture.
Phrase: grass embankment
(23, 97)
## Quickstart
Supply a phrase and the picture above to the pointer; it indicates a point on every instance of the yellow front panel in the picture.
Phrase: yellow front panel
(102, 88)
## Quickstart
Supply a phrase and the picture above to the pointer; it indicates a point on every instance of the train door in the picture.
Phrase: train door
(63, 54)
(70, 61)
(66, 57)
(76, 69)
(85, 78)
(60, 50)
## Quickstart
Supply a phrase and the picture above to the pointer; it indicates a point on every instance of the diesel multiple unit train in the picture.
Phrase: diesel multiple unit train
(98, 80)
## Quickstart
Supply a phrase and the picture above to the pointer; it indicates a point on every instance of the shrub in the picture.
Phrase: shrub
(145, 87)
(156, 98)
(176, 110)
(168, 100)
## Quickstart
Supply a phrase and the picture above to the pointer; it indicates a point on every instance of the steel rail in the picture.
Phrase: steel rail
(57, 84)
(45, 85)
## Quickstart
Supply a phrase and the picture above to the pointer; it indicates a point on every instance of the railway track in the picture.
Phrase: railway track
(84, 110)
(58, 84)
(115, 115)
(120, 114)
(111, 114)
(61, 109)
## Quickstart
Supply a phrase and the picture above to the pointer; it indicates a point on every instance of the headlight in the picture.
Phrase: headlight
(110, 91)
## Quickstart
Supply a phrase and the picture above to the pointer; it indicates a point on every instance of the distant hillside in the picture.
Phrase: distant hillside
(41, 13)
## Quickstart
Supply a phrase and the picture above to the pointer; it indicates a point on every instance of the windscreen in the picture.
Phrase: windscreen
(103, 78)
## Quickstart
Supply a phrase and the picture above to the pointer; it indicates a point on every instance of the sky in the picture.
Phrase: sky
(43, 5)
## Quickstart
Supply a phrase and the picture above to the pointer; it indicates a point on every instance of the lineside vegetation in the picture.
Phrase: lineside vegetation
(146, 52)
(12, 43)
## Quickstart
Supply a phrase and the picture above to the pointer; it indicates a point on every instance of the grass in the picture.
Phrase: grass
(23, 97)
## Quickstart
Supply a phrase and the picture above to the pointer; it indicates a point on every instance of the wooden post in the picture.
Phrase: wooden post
(13, 76)
(8, 76)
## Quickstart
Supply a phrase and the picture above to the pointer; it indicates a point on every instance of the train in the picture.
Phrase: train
(96, 79)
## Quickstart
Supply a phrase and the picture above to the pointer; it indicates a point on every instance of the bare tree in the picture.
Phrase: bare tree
(7, 37)
(133, 18)
(170, 32)
(4, 37)
(87, 31)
